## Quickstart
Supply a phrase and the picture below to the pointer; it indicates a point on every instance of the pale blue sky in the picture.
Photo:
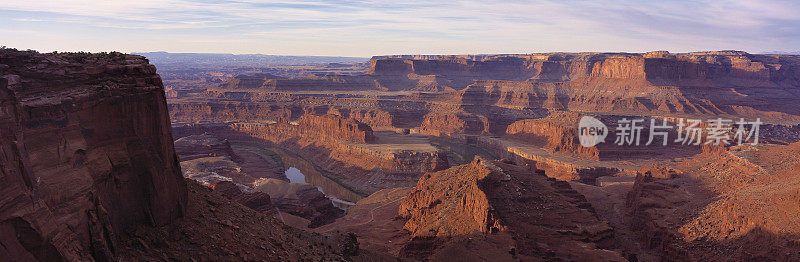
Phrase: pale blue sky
(366, 28)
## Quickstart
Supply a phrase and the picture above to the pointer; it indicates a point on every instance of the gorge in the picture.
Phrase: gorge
(414, 157)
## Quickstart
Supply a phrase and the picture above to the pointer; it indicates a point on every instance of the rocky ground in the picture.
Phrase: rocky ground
(218, 229)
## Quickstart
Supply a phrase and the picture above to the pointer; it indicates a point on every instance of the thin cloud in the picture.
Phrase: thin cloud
(433, 26)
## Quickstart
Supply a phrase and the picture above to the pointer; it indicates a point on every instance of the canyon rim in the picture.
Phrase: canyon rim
(465, 131)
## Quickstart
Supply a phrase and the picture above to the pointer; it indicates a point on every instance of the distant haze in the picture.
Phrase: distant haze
(194, 59)
(367, 28)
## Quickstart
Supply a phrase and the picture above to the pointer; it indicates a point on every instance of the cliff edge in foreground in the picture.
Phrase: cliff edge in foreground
(86, 151)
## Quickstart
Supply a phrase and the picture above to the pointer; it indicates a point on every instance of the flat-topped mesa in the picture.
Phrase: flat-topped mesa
(329, 82)
(707, 84)
(349, 141)
(442, 124)
(658, 66)
(453, 67)
(335, 127)
(86, 151)
(556, 133)
(435, 57)
(252, 81)
(225, 111)
(327, 129)
(198, 146)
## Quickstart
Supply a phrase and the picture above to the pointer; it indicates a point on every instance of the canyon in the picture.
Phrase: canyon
(447, 111)
(402, 157)
(91, 174)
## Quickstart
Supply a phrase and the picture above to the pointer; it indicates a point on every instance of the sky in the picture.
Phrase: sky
(367, 28)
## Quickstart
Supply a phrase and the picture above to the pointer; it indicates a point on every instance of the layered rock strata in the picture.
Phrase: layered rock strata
(86, 152)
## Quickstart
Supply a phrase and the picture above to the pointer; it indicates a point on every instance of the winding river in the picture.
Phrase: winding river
(296, 176)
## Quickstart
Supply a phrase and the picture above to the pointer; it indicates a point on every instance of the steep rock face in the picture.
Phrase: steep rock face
(495, 68)
(326, 128)
(720, 65)
(335, 128)
(390, 66)
(647, 214)
(327, 83)
(345, 140)
(502, 210)
(703, 83)
(86, 152)
(397, 160)
(560, 67)
(231, 111)
(453, 123)
(556, 134)
(372, 117)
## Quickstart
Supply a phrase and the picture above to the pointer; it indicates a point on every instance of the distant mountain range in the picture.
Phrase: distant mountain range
(200, 59)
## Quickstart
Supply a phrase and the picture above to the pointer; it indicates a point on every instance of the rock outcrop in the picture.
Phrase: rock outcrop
(325, 129)
(723, 206)
(561, 67)
(258, 201)
(740, 84)
(231, 111)
(438, 124)
(557, 133)
(86, 153)
(205, 145)
(303, 200)
(330, 127)
(451, 203)
(219, 229)
(509, 211)
(346, 140)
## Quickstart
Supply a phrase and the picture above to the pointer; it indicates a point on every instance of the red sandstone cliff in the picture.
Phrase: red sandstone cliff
(556, 133)
(432, 211)
(437, 124)
(86, 152)
(345, 140)
(703, 83)
(560, 67)
(325, 129)
(231, 111)
(723, 208)
(329, 127)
